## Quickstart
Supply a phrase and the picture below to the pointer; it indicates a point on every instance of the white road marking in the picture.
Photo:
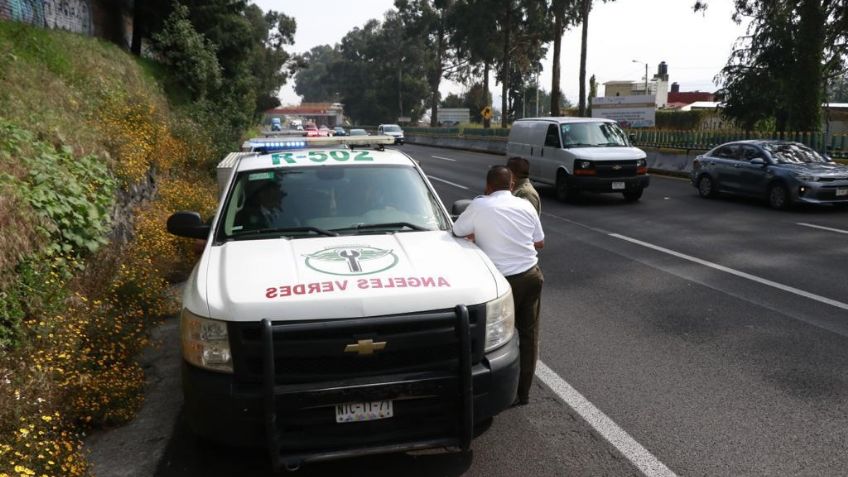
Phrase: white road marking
(448, 182)
(606, 427)
(748, 276)
(443, 158)
(839, 231)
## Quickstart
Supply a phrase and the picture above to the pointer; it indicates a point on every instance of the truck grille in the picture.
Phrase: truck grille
(414, 342)
(616, 168)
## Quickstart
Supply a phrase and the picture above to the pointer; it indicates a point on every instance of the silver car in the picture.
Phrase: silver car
(784, 173)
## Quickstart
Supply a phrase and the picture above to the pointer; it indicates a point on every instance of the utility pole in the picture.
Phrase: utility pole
(646, 75)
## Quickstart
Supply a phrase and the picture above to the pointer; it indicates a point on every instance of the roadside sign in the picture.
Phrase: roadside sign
(404, 119)
(486, 112)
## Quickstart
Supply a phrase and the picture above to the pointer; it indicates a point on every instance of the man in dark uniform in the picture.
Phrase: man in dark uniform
(508, 230)
(523, 188)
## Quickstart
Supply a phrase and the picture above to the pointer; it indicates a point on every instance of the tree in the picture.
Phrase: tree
(428, 20)
(565, 13)
(475, 33)
(453, 101)
(780, 69)
(524, 29)
(190, 54)
(373, 89)
(477, 98)
(585, 9)
(837, 91)
(314, 81)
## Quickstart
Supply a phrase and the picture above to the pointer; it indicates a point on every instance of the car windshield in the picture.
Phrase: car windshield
(391, 128)
(592, 134)
(338, 200)
(793, 153)
(358, 132)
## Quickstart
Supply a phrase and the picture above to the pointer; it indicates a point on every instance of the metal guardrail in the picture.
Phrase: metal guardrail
(836, 146)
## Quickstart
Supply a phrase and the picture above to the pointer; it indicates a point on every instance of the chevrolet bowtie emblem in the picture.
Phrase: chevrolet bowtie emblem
(365, 347)
(616, 167)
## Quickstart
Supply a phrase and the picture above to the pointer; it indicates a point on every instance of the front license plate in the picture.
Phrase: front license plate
(363, 411)
(841, 191)
(618, 186)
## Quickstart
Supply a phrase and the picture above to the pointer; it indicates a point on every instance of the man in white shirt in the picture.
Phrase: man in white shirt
(508, 230)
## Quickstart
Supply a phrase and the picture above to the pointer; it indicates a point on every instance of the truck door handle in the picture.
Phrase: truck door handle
(531, 151)
(542, 152)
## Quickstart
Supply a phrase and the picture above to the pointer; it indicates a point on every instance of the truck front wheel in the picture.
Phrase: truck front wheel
(563, 192)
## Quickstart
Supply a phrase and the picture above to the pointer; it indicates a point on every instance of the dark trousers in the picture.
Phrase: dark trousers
(527, 294)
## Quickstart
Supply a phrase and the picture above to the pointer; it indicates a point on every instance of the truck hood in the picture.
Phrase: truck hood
(607, 153)
(344, 277)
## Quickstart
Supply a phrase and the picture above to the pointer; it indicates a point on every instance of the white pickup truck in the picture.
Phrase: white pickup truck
(333, 313)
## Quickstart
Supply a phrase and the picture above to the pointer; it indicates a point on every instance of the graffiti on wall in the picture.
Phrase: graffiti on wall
(71, 15)
(27, 11)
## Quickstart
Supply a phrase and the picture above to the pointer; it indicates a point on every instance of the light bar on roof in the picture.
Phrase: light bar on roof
(262, 144)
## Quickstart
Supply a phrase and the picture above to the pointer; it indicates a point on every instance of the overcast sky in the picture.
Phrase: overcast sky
(695, 46)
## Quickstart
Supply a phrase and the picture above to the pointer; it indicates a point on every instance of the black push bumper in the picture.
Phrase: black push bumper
(437, 408)
(605, 184)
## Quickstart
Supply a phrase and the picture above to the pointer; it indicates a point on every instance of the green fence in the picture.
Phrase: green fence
(836, 146)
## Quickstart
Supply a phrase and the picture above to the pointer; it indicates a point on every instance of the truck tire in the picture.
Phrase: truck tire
(633, 195)
(563, 192)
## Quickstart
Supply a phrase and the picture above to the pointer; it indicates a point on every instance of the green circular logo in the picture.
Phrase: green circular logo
(351, 260)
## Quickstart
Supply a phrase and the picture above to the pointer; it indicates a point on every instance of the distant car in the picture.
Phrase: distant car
(392, 130)
(276, 124)
(782, 172)
(358, 132)
(324, 131)
(311, 130)
(339, 131)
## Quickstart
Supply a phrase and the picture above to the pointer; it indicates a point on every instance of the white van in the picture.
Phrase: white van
(392, 130)
(580, 154)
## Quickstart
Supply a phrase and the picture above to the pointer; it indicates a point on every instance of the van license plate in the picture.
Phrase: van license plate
(618, 186)
(842, 191)
(363, 411)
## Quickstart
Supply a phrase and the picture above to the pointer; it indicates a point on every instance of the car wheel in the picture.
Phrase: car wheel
(633, 195)
(563, 192)
(706, 187)
(778, 196)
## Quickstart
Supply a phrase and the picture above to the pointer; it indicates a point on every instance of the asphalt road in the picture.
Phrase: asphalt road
(714, 332)
(708, 337)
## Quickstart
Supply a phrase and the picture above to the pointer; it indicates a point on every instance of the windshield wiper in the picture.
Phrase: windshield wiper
(579, 144)
(385, 225)
(284, 230)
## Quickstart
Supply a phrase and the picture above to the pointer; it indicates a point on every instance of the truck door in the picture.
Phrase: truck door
(549, 153)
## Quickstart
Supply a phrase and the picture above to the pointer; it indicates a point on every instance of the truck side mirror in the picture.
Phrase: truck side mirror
(459, 207)
(188, 224)
(632, 137)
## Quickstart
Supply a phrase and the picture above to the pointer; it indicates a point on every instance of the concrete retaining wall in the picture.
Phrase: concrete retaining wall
(670, 161)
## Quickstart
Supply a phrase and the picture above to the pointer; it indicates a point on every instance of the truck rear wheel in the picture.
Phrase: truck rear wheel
(633, 195)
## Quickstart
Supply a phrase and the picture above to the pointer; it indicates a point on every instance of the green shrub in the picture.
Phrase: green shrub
(190, 54)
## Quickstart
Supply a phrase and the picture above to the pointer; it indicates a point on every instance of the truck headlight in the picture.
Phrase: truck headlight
(205, 342)
(500, 321)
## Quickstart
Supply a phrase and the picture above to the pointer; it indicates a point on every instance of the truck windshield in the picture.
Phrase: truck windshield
(338, 200)
(391, 128)
(592, 134)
